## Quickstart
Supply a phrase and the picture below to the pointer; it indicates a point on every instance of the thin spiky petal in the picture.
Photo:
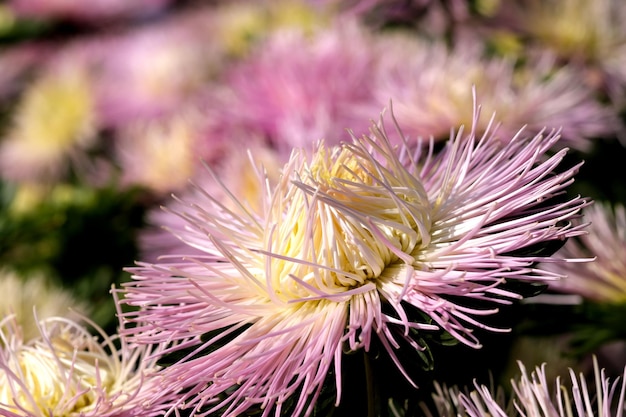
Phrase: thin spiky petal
(603, 280)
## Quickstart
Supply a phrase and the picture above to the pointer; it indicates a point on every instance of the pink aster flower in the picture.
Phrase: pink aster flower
(295, 87)
(431, 87)
(535, 395)
(604, 279)
(345, 247)
(67, 371)
(161, 154)
(53, 125)
(153, 71)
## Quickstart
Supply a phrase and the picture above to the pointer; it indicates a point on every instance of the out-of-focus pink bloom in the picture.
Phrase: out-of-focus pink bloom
(96, 11)
(536, 395)
(52, 126)
(297, 88)
(160, 155)
(604, 279)
(430, 86)
(155, 70)
(349, 238)
(588, 34)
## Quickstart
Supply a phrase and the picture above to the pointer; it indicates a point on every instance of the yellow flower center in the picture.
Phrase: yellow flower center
(575, 27)
(62, 378)
(56, 112)
(348, 218)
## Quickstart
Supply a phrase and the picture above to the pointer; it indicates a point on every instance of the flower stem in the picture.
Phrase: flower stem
(373, 396)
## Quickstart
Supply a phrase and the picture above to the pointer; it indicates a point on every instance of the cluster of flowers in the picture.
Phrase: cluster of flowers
(378, 179)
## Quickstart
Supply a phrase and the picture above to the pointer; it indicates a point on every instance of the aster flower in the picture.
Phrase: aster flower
(294, 86)
(534, 395)
(603, 280)
(429, 81)
(241, 25)
(53, 123)
(67, 371)
(350, 242)
(152, 71)
(161, 154)
(594, 323)
(590, 34)
(21, 294)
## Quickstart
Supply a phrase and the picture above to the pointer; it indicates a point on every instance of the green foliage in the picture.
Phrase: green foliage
(589, 325)
(82, 240)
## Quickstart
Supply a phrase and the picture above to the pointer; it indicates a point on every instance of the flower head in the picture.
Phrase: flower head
(151, 71)
(535, 395)
(351, 241)
(604, 279)
(54, 120)
(159, 154)
(67, 371)
(22, 294)
(429, 81)
(294, 88)
(587, 33)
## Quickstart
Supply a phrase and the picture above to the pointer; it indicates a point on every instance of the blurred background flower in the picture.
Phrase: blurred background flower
(293, 89)
(45, 137)
(604, 280)
(23, 296)
(587, 34)
(427, 82)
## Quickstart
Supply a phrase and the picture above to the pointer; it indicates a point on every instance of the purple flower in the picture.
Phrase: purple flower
(345, 247)
(430, 85)
(604, 279)
(151, 72)
(295, 88)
